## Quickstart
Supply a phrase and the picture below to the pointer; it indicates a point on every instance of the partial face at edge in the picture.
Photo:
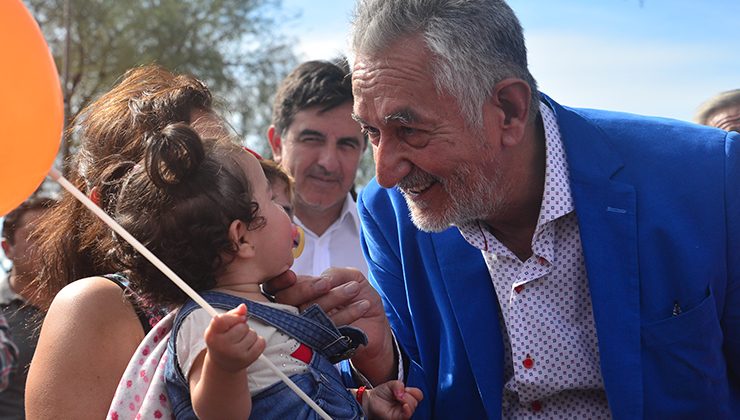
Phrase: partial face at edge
(21, 251)
(727, 119)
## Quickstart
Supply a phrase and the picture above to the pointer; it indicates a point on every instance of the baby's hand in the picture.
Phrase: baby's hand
(232, 345)
(391, 401)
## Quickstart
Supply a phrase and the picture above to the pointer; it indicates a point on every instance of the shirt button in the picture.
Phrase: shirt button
(519, 288)
(536, 406)
(528, 362)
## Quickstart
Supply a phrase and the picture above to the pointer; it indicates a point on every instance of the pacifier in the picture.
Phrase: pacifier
(299, 240)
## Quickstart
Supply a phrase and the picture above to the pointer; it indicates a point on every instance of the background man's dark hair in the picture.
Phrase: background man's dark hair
(314, 83)
(12, 220)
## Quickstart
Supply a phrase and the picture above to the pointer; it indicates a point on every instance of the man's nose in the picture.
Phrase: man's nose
(329, 158)
(391, 164)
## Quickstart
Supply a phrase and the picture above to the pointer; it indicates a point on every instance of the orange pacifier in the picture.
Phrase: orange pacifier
(299, 240)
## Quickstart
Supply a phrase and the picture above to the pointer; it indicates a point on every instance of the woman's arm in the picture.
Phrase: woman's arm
(88, 336)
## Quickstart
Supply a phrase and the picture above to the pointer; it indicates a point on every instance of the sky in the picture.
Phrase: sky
(652, 57)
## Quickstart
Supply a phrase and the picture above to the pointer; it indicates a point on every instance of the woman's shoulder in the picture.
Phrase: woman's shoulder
(92, 299)
(95, 291)
(88, 315)
(107, 298)
(87, 338)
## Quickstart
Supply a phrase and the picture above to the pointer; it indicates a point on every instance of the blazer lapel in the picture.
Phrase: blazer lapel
(606, 211)
(474, 304)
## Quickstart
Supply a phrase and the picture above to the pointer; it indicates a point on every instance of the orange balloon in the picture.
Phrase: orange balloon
(31, 109)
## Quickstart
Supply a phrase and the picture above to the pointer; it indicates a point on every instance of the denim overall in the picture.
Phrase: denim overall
(322, 382)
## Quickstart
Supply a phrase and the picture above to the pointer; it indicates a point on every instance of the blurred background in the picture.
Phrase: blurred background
(653, 57)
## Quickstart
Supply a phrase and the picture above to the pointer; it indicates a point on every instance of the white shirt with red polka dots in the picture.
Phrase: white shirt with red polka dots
(551, 365)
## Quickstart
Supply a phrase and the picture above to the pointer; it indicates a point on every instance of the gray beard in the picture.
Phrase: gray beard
(472, 196)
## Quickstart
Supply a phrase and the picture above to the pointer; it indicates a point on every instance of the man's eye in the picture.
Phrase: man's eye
(414, 137)
(407, 131)
(349, 145)
(371, 133)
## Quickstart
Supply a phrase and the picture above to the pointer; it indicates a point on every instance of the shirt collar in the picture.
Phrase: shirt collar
(349, 211)
(557, 183)
(557, 174)
(348, 214)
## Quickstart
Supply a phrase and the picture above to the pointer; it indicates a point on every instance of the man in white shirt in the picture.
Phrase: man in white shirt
(315, 139)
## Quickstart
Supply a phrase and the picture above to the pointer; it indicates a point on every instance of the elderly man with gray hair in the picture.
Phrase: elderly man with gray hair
(537, 260)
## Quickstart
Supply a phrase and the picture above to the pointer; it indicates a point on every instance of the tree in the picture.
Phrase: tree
(229, 44)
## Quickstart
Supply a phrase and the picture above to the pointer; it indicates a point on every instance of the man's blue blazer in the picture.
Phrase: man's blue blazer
(658, 205)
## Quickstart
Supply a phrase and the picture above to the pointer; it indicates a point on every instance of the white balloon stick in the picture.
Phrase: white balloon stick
(57, 176)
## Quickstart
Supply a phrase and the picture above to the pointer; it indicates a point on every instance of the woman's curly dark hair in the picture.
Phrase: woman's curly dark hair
(179, 202)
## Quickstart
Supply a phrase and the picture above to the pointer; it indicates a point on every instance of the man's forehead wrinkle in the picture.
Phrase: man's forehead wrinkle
(726, 119)
(395, 65)
(398, 74)
(382, 87)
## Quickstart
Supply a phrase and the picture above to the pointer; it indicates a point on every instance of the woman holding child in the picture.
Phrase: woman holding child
(94, 324)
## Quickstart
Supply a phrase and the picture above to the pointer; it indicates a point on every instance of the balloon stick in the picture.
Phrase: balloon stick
(57, 176)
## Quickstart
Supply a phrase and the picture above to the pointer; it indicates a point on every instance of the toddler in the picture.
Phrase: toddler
(206, 210)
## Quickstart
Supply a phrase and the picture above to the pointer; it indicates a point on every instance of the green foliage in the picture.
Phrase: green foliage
(229, 44)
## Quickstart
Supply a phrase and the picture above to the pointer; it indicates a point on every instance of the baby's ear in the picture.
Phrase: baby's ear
(240, 236)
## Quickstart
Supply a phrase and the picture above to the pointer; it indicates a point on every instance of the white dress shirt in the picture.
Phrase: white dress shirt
(339, 246)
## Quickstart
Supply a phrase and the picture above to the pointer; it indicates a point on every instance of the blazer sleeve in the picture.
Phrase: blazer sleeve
(379, 240)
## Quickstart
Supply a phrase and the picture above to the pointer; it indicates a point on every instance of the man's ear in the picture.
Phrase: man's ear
(275, 143)
(7, 248)
(512, 97)
(241, 237)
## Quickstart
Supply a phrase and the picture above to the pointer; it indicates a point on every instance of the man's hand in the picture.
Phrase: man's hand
(349, 299)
